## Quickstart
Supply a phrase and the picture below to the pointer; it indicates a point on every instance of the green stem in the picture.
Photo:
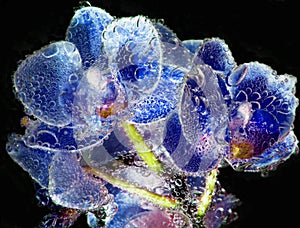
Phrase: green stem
(156, 199)
(141, 147)
(154, 164)
(205, 198)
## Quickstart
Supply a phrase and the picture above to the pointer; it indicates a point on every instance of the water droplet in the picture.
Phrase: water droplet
(50, 51)
(73, 78)
(237, 76)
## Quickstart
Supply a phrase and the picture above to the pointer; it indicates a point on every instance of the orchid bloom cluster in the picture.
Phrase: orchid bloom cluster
(129, 125)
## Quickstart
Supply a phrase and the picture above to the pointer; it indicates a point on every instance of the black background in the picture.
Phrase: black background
(264, 31)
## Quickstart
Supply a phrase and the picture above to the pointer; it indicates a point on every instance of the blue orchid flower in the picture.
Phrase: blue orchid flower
(129, 125)
(261, 105)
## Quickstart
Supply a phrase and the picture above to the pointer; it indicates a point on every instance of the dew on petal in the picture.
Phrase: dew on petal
(42, 82)
(85, 31)
(134, 49)
(71, 187)
(130, 126)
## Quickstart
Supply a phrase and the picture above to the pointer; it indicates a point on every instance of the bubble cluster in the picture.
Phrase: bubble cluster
(43, 84)
(129, 125)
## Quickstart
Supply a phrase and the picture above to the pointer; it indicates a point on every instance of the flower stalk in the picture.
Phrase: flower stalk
(141, 147)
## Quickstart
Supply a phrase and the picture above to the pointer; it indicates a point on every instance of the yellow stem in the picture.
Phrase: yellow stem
(205, 198)
(141, 147)
(154, 164)
(143, 193)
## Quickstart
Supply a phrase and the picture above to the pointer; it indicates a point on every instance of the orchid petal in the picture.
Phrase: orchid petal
(85, 31)
(45, 82)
